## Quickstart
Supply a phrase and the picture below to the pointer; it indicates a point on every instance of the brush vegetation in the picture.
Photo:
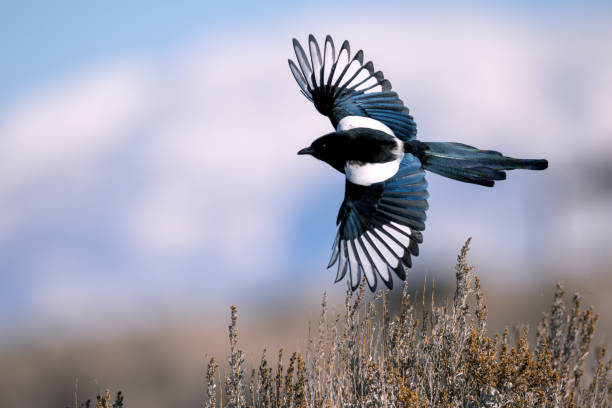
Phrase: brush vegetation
(102, 401)
(439, 356)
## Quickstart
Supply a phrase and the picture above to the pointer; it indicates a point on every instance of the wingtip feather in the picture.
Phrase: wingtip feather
(389, 283)
(359, 56)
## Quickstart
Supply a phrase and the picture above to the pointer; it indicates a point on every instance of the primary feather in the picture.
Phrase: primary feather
(340, 85)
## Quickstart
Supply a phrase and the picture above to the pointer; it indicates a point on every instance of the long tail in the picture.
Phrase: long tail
(471, 165)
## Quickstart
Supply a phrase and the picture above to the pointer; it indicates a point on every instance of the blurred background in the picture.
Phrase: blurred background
(149, 177)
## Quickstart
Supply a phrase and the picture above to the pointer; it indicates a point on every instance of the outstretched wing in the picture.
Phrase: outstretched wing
(380, 226)
(341, 86)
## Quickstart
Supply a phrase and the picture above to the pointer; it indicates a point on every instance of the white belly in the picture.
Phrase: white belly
(351, 122)
(366, 174)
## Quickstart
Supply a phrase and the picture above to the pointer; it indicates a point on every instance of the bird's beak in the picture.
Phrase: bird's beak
(306, 150)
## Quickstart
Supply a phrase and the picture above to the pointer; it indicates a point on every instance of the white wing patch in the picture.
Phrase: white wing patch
(379, 263)
(352, 122)
(404, 228)
(367, 255)
(353, 264)
(386, 254)
(403, 239)
(342, 263)
(394, 246)
(368, 270)
(366, 174)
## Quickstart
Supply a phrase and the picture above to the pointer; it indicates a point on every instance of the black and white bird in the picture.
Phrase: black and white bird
(383, 213)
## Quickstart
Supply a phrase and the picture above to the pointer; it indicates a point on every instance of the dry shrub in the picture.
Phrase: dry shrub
(445, 358)
(363, 357)
(102, 401)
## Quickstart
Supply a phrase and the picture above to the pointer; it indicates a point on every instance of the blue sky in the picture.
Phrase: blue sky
(43, 41)
(147, 151)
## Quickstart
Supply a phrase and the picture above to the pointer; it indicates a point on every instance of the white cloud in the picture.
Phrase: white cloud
(71, 122)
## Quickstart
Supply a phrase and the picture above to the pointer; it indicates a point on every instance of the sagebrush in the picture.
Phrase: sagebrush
(102, 401)
(441, 357)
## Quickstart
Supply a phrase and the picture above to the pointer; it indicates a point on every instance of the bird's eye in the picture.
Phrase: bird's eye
(323, 146)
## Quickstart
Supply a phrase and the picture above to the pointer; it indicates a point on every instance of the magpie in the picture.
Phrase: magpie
(382, 217)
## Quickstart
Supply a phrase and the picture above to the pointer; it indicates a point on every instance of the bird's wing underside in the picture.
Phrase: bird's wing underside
(340, 86)
(380, 226)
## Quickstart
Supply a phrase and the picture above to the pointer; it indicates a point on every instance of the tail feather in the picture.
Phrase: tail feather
(471, 165)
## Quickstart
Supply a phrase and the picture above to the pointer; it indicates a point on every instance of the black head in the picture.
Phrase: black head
(330, 148)
(360, 144)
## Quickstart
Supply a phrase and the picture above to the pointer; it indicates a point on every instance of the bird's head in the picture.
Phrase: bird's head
(331, 148)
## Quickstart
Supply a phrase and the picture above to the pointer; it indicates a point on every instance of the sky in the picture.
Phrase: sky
(148, 151)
